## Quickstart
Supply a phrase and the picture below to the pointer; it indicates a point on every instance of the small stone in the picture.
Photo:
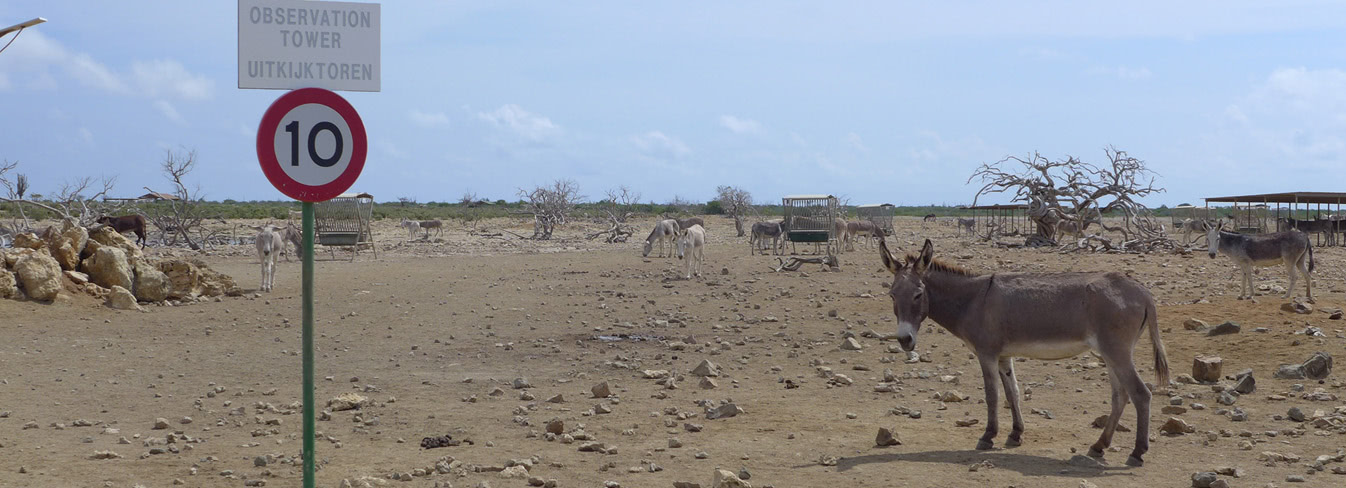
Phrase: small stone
(707, 383)
(1318, 366)
(723, 411)
(521, 383)
(1176, 426)
(850, 344)
(1296, 478)
(1296, 414)
(727, 479)
(601, 390)
(1194, 324)
(1289, 372)
(558, 398)
(1225, 328)
(1206, 369)
(706, 368)
(1246, 384)
(160, 423)
(886, 438)
(556, 426)
(1203, 479)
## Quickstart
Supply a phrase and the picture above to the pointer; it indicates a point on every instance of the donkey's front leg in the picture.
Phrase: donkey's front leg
(990, 373)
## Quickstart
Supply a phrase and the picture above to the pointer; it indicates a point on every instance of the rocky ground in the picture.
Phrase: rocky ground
(584, 363)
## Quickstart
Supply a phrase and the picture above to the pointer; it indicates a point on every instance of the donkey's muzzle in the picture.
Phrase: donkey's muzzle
(907, 342)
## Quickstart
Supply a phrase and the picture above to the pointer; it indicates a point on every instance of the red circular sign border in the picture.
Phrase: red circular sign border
(266, 151)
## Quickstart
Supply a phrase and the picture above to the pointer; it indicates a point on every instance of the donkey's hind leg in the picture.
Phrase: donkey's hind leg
(1303, 266)
(1140, 396)
(1119, 401)
(1011, 385)
(1292, 269)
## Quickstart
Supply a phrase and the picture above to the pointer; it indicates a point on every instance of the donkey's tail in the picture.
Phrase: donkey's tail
(1160, 355)
(1310, 257)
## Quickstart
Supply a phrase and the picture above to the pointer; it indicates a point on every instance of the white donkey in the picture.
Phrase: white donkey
(269, 244)
(666, 229)
(692, 248)
(413, 227)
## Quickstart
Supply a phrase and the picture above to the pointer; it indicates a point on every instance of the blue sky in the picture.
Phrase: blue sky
(878, 101)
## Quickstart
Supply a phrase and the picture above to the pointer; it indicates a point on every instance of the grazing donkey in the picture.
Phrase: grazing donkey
(126, 222)
(431, 224)
(692, 248)
(970, 225)
(863, 228)
(761, 231)
(1291, 248)
(928, 218)
(292, 236)
(1037, 315)
(269, 244)
(664, 230)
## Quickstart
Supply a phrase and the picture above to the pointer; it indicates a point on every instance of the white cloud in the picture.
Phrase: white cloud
(93, 73)
(855, 142)
(657, 143)
(166, 77)
(1302, 89)
(1294, 118)
(428, 119)
(168, 111)
(740, 126)
(86, 135)
(1122, 72)
(528, 125)
(390, 149)
(247, 131)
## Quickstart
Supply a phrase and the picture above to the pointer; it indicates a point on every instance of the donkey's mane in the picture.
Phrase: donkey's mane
(937, 264)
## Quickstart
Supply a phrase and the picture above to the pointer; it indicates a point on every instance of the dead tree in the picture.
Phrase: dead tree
(1080, 193)
(550, 206)
(80, 201)
(621, 202)
(177, 217)
(736, 202)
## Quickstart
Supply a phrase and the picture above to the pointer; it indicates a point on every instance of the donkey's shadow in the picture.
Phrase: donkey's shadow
(1025, 464)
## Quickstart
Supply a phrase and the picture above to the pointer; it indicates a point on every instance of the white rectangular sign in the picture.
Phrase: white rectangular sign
(288, 44)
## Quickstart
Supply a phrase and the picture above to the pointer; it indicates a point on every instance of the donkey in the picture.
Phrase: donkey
(126, 222)
(928, 218)
(1290, 247)
(863, 228)
(431, 224)
(690, 221)
(664, 230)
(692, 248)
(840, 230)
(761, 231)
(970, 225)
(411, 226)
(1037, 315)
(269, 244)
(294, 236)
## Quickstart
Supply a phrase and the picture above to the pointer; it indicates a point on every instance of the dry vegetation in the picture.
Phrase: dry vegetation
(476, 334)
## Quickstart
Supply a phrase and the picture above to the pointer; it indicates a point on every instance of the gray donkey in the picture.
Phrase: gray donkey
(1049, 316)
(1291, 248)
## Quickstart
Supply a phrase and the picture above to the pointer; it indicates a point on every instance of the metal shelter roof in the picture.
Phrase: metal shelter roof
(1289, 197)
(1012, 206)
(808, 197)
(875, 205)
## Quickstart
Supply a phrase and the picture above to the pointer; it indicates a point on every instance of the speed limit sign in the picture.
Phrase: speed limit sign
(311, 144)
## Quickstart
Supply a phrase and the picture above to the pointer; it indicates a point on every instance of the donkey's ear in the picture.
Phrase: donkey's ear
(893, 264)
(927, 255)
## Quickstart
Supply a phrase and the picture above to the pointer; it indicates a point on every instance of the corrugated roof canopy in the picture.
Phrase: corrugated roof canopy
(875, 205)
(1291, 197)
(1012, 206)
(356, 195)
(807, 197)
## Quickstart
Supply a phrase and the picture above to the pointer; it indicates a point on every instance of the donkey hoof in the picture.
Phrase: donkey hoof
(1013, 441)
(984, 445)
(1134, 461)
(1095, 452)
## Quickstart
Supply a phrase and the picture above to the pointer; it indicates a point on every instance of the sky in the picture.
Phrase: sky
(895, 102)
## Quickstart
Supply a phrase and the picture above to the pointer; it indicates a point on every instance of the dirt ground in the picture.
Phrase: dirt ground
(436, 332)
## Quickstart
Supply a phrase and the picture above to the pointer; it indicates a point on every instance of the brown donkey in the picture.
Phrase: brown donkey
(1037, 315)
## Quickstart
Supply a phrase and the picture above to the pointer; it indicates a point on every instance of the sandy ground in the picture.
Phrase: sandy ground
(435, 332)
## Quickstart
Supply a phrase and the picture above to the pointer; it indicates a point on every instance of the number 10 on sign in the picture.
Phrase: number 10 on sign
(311, 144)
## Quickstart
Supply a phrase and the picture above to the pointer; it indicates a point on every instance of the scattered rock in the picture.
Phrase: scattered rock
(850, 344)
(1225, 328)
(1195, 324)
(1203, 479)
(521, 383)
(727, 479)
(1176, 426)
(347, 401)
(1318, 366)
(887, 438)
(1245, 384)
(1207, 369)
(1289, 372)
(160, 423)
(1298, 306)
(1102, 421)
(151, 285)
(601, 390)
(108, 267)
(1296, 414)
(706, 368)
(723, 411)
(707, 383)
(105, 455)
(9, 285)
